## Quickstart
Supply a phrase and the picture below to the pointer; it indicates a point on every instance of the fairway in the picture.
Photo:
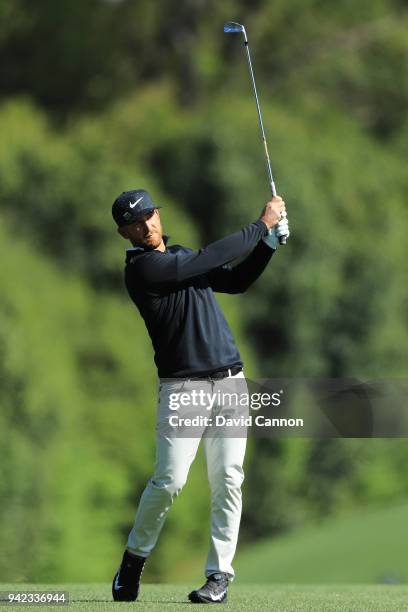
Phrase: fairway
(363, 547)
(282, 598)
(342, 550)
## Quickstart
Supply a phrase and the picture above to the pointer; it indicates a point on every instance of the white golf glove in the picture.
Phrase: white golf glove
(281, 229)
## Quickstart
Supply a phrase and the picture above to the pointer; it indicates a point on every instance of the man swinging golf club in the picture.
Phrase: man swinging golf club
(173, 288)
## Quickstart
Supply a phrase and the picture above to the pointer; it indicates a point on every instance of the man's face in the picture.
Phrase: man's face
(145, 233)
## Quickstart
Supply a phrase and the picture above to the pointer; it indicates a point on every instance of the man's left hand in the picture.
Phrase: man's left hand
(281, 229)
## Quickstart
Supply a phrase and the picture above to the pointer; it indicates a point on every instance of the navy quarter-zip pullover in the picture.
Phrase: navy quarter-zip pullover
(174, 292)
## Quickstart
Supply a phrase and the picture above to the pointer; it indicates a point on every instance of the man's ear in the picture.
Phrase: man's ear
(123, 232)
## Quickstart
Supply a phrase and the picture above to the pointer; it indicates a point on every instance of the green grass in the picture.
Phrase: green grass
(347, 598)
(365, 547)
(352, 552)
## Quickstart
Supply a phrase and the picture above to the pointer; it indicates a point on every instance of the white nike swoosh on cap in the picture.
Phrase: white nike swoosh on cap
(134, 203)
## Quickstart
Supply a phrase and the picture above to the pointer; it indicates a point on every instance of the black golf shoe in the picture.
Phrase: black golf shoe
(126, 583)
(213, 591)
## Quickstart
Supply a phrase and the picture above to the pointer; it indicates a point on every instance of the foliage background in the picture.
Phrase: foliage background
(99, 96)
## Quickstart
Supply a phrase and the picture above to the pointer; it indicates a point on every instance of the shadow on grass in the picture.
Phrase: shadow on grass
(145, 601)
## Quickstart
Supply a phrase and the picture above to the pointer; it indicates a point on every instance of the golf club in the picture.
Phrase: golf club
(232, 27)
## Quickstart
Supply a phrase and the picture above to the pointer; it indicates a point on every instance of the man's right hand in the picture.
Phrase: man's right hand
(273, 212)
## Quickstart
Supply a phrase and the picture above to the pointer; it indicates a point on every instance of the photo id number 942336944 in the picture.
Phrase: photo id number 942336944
(34, 597)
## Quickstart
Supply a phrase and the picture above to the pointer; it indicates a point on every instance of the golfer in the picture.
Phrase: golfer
(173, 288)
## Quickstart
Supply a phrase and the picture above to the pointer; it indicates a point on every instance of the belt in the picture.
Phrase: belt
(219, 374)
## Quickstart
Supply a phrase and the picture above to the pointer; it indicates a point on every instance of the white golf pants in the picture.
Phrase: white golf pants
(224, 452)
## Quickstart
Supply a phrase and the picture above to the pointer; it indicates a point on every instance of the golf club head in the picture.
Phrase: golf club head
(233, 27)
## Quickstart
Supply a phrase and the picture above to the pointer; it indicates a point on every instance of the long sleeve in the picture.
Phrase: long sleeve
(237, 279)
(155, 268)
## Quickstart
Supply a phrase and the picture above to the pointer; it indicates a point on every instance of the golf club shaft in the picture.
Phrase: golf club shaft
(282, 239)
(268, 161)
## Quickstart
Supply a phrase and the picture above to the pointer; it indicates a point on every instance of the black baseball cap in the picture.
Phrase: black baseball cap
(130, 206)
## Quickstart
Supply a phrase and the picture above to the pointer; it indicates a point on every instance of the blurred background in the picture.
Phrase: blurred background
(102, 96)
